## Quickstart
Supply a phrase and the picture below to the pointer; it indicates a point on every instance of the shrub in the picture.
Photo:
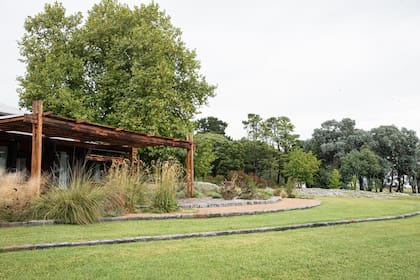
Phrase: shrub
(335, 179)
(218, 180)
(229, 189)
(290, 186)
(213, 194)
(263, 194)
(166, 177)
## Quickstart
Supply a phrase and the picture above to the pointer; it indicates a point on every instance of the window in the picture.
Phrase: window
(3, 157)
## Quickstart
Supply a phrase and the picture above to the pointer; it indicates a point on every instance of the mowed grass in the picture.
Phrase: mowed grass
(375, 250)
(331, 209)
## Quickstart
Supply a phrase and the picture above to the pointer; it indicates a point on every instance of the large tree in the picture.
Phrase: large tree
(254, 127)
(211, 125)
(362, 164)
(302, 166)
(398, 148)
(335, 139)
(123, 67)
(279, 133)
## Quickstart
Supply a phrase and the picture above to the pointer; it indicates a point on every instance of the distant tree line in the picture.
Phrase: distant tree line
(338, 155)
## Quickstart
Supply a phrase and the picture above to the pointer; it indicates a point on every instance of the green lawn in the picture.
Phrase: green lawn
(331, 209)
(376, 250)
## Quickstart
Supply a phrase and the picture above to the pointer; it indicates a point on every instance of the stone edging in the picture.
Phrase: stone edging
(160, 216)
(224, 203)
(200, 234)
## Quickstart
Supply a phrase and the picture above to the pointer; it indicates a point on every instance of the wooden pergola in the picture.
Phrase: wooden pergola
(83, 132)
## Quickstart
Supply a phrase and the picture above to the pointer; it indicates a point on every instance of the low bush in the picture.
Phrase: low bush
(229, 190)
(290, 186)
(213, 194)
(263, 194)
(280, 192)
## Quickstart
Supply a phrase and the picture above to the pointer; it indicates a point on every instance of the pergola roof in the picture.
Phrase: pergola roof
(87, 132)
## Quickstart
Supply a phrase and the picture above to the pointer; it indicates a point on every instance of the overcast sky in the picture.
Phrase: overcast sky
(309, 60)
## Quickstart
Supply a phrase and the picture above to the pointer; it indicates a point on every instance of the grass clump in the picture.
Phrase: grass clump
(125, 186)
(16, 193)
(80, 203)
(166, 180)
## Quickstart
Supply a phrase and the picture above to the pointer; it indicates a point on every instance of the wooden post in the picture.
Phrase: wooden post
(190, 167)
(133, 154)
(36, 158)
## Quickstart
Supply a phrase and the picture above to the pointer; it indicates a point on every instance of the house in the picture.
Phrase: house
(42, 141)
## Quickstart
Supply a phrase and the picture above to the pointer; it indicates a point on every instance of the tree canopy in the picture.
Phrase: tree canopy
(302, 166)
(211, 125)
(120, 66)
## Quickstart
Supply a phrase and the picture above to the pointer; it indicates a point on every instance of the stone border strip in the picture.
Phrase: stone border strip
(200, 234)
(224, 203)
(161, 216)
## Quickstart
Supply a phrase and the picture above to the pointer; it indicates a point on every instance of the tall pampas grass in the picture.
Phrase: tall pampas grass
(126, 185)
(16, 193)
(166, 178)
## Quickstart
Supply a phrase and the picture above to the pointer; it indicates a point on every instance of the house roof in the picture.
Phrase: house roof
(87, 132)
(8, 110)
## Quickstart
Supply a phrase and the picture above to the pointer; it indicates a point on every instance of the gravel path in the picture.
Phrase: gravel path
(313, 192)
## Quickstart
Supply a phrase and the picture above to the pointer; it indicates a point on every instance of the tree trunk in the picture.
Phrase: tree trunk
(392, 181)
(382, 185)
(412, 181)
(361, 186)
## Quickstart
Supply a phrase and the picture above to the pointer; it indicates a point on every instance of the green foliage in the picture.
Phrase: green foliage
(80, 203)
(301, 166)
(398, 150)
(204, 154)
(354, 182)
(279, 131)
(361, 164)
(335, 139)
(211, 125)
(214, 194)
(254, 127)
(166, 178)
(335, 179)
(126, 67)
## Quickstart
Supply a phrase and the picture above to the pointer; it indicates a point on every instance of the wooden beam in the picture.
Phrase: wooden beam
(190, 166)
(102, 158)
(36, 158)
(82, 131)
